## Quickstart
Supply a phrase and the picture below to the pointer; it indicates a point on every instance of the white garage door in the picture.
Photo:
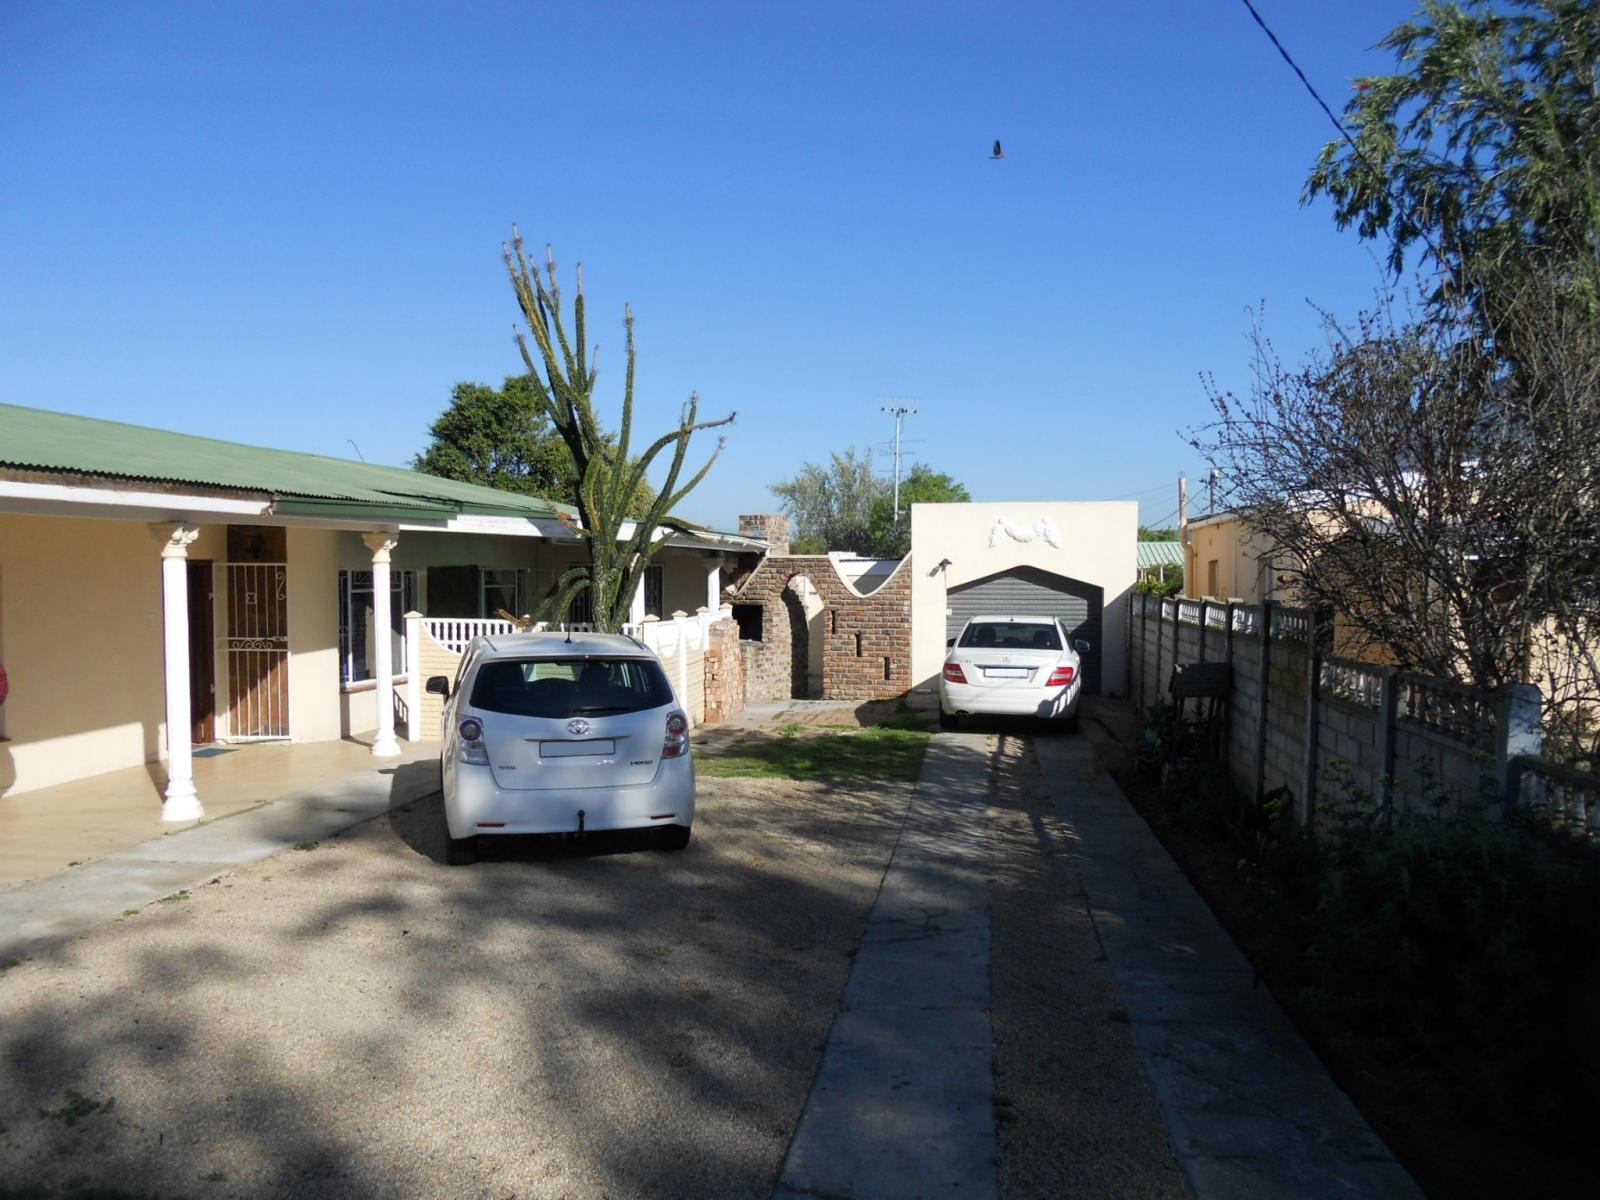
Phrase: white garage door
(1030, 592)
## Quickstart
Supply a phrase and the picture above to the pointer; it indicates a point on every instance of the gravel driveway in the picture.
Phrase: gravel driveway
(590, 1018)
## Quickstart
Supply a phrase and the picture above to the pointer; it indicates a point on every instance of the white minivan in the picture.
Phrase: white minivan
(563, 733)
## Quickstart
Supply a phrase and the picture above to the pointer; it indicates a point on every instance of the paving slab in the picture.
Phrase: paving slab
(1250, 1109)
(903, 1104)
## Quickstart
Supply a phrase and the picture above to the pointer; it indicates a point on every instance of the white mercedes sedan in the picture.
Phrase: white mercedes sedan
(1014, 667)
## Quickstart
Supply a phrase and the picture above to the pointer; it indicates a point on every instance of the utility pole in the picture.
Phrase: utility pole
(1211, 490)
(1183, 526)
(899, 411)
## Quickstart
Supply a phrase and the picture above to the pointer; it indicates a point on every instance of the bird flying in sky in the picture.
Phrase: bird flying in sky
(998, 153)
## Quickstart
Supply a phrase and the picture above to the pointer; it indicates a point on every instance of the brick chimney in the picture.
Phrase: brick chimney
(769, 527)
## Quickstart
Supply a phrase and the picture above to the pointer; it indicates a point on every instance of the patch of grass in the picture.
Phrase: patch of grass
(216, 1177)
(306, 845)
(881, 752)
(183, 895)
(7, 963)
(130, 912)
(77, 1108)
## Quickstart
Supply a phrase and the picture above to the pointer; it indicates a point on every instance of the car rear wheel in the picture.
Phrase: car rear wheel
(949, 720)
(1072, 724)
(672, 837)
(460, 852)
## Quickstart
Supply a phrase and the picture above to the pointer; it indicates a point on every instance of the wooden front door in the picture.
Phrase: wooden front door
(202, 655)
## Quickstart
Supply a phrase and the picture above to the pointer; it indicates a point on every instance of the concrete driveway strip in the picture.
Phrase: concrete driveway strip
(902, 1106)
(42, 911)
(1251, 1111)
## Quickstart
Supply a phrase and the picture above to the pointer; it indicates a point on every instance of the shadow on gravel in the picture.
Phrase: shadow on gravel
(566, 1017)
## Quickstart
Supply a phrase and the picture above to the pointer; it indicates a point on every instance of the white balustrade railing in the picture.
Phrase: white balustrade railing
(453, 633)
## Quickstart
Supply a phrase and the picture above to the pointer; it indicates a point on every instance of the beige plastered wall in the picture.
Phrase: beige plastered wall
(1241, 571)
(81, 640)
(1098, 546)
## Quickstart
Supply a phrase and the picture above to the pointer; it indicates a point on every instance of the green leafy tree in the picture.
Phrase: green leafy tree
(503, 439)
(891, 538)
(830, 507)
(1146, 534)
(1484, 148)
(497, 438)
(563, 371)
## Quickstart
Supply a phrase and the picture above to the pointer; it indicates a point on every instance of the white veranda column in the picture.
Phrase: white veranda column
(714, 585)
(636, 612)
(181, 802)
(381, 544)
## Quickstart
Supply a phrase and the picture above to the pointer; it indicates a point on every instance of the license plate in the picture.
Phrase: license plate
(593, 748)
(1006, 672)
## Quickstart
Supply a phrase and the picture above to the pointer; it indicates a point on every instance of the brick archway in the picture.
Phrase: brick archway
(866, 639)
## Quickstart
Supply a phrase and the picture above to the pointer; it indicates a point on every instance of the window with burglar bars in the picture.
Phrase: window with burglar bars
(356, 634)
(521, 590)
(654, 592)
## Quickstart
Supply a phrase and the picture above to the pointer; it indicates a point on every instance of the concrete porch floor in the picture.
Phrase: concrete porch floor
(50, 829)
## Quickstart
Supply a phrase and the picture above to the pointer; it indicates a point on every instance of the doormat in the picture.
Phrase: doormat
(212, 751)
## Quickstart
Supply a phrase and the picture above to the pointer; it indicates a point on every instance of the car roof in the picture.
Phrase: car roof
(561, 645)
(1022, 619)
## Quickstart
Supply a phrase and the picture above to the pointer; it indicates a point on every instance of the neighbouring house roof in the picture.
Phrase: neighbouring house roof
(1159, 554)
(35, 439)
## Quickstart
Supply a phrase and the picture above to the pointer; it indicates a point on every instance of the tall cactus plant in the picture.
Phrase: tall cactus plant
(563, 371)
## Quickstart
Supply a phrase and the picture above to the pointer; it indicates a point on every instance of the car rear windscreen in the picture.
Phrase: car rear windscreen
(562, 687)
(1010, 635)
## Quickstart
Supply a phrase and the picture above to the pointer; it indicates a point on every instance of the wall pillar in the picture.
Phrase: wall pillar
(413, 677)
(181, 802)
(382, 545)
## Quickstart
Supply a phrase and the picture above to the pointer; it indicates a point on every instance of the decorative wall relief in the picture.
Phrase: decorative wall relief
(1044, 527)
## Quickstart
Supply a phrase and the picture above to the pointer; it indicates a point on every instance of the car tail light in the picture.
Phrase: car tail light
(1062, 677)
(677, 743)
(952, 673)
(469, 743)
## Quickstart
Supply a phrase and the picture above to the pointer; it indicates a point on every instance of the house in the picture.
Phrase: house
(1224, 560)
(161, 591)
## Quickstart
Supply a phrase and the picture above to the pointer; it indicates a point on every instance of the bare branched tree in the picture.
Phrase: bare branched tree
(1446, 508)
(563, 372)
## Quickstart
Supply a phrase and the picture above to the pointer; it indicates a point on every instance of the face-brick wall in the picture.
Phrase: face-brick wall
(866, 639)
(724, 672)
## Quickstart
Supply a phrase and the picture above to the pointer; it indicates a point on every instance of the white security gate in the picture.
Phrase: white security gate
(258, 650)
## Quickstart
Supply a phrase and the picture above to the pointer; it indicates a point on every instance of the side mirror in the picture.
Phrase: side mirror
(1081, 646)
(439, 685)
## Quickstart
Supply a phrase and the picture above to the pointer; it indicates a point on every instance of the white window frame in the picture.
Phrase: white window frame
(403, 592)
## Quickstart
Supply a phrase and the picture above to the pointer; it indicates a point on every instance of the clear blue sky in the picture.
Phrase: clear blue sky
(281, 224)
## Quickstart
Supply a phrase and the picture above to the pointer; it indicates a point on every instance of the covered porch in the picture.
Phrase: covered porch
(53, 829)
(163, 595)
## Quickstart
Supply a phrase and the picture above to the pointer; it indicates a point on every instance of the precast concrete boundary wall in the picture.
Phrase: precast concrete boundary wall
(1324, 727)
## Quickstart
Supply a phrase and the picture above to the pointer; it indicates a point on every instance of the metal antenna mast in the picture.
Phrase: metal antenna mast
(899, 411)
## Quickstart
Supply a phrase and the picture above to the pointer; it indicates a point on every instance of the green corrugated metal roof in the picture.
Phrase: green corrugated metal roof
(35, 439)
(1160, 554)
